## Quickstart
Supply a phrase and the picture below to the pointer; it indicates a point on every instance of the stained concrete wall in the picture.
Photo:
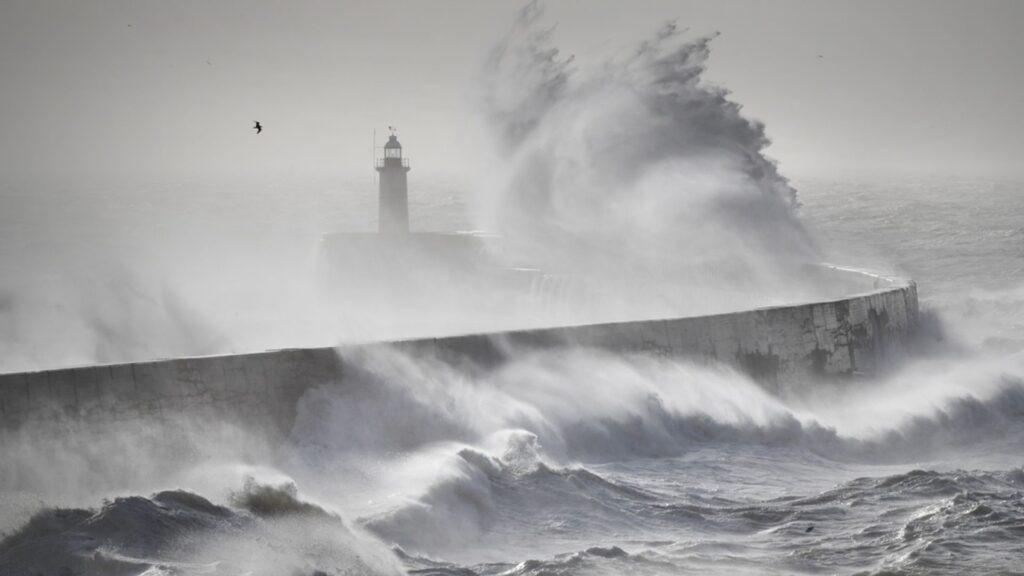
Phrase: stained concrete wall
(784, 348)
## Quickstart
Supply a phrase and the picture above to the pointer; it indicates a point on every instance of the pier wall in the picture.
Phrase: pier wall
(784, 348)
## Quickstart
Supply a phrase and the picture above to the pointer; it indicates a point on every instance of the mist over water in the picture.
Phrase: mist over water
(557, 462)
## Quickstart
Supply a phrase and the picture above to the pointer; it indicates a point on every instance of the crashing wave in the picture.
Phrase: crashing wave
(181, 533)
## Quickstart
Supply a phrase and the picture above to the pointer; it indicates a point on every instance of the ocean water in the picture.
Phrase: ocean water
(579, 462)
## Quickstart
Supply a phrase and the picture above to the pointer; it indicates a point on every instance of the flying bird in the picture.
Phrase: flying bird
(258, 128)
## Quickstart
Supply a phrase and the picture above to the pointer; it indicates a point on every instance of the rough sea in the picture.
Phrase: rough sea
(562, 463)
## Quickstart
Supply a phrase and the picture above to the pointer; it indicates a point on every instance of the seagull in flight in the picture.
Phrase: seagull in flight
(258, 128)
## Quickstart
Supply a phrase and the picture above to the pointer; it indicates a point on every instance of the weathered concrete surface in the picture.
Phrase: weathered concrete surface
(783, 348)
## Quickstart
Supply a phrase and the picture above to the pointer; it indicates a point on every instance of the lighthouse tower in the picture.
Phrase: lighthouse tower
(394, 189)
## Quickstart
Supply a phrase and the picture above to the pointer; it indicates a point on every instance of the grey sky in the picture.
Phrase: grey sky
(171, 89)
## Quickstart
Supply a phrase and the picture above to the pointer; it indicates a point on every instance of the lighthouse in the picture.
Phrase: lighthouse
(394, 189)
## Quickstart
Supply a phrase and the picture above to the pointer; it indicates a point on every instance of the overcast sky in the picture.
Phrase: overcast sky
(171, 88)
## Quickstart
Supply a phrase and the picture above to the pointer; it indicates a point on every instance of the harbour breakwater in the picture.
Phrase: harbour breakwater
(783, 348)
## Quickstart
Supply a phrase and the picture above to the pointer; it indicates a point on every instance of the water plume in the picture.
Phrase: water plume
(637, 170)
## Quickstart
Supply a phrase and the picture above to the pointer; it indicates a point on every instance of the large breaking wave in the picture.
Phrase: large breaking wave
(530, 442)
(635, 169)
(631, 460)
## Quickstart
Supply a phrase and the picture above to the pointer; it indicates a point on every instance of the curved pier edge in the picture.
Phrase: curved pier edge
(785, 348)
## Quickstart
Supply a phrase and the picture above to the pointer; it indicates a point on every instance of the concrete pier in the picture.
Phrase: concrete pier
(783, 348)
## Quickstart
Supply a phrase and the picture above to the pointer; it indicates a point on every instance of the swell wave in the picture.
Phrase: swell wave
(914, 522)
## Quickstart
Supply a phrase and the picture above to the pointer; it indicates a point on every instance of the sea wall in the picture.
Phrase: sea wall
(784, 348)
